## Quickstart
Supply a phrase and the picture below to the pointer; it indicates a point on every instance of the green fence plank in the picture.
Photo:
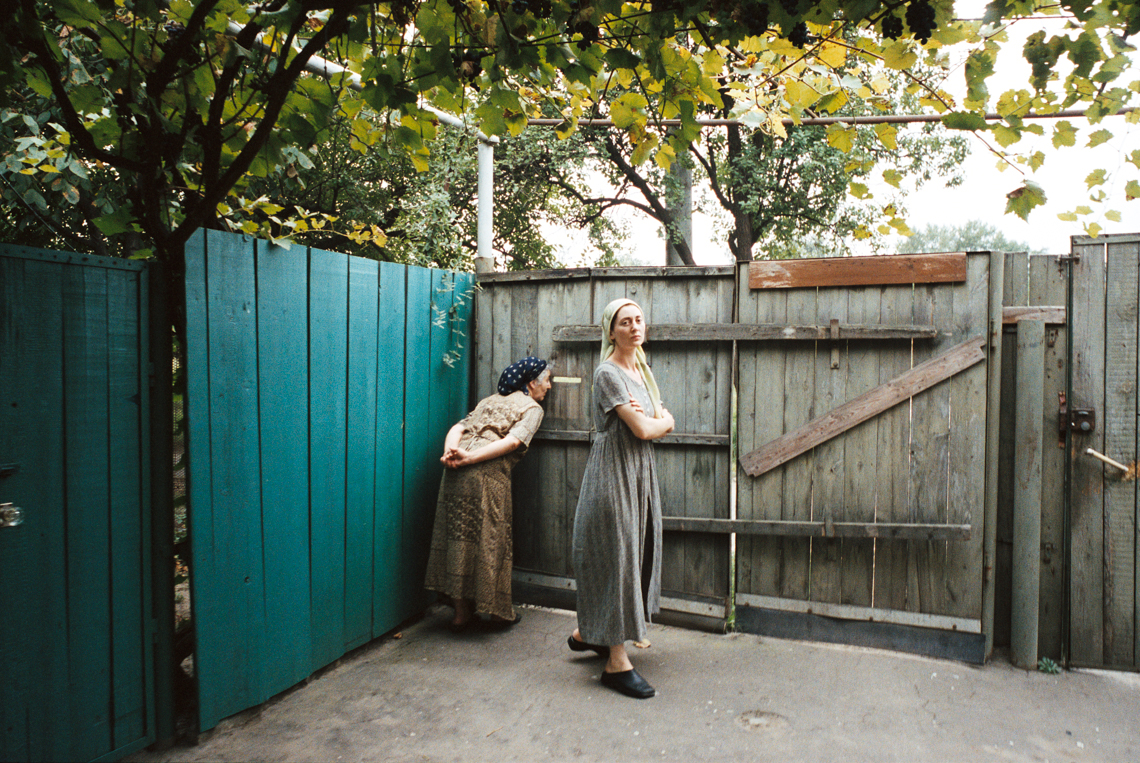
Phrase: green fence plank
(328, 353)
(230, 612)
(422, 469)
(36, 722)
(388, 517)
(87, 511)
(129, 512)
(283, 357)
(199, 471)
(360, 446)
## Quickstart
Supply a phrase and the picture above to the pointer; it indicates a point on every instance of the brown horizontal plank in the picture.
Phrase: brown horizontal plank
(1054, 314)
(748, 332)
(676, 438)
(866, 406)
(857, 271)
(781, 527)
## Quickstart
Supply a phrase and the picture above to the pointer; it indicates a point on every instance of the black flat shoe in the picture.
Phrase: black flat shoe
(630, 683)
(581, 646)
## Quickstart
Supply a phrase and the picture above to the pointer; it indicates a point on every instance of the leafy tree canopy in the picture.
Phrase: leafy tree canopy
(970, 236)
(187, 103)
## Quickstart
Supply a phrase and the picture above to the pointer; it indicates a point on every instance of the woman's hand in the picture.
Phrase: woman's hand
(668, 419)
(636, 405)
(453, 458)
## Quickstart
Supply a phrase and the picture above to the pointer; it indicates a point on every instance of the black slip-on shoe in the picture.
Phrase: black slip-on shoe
(630, 683)
(581, 646)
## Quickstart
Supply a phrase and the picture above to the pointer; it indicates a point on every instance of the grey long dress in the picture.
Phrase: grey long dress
(617, 526)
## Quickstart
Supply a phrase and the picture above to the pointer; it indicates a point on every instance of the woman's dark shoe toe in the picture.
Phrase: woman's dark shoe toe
(581, 646)
(630, 683)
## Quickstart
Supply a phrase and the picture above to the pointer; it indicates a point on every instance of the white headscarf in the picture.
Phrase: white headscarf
(639, 354)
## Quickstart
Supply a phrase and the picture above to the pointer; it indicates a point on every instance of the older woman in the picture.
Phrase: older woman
(617, 526)
(471, 558)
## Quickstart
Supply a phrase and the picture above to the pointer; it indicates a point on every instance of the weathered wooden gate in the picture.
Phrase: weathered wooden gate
(864, 461)
(77, 619)
(880, 523)
(1104, 578)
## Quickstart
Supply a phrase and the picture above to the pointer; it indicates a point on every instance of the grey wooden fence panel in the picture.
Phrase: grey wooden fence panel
(694, 380)
(1119, 420)
(1086, 487)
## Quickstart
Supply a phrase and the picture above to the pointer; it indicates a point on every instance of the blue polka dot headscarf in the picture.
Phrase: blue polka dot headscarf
(517, 375)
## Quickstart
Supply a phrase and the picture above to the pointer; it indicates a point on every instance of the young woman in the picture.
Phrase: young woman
(617, 526)
(471, 557)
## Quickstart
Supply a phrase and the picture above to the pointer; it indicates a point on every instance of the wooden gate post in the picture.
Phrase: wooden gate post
(1027, 495)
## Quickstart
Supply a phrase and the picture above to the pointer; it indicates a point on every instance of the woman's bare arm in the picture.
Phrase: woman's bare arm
(642, 426)
(463, 457)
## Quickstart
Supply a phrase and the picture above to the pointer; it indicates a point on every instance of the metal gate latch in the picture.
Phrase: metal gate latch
(1076, 420)
(10, 515)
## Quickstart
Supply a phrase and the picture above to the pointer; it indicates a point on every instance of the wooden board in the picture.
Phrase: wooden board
(360, 451)
(283, 351)
(822, 529)
(962, 589)
(388, 608)
(892, 457)
(1119, 421)
(1086, 517)
(1051, 314)
(1047, 283)
(861, 479)
(857, 271)
(758, 332)
(328, 400)
(864, 407)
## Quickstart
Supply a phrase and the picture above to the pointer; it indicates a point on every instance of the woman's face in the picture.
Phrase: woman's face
(538, 388)
(628, 327)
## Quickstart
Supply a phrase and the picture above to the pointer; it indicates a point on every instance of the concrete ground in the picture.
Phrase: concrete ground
(521, 695)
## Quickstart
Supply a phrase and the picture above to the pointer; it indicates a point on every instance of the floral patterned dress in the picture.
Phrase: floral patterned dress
(471, 547)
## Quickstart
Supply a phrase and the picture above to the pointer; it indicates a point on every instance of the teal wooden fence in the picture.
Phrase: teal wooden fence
(76, 618)
(319, 390)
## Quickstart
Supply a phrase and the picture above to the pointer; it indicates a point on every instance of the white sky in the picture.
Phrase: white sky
(982, 195)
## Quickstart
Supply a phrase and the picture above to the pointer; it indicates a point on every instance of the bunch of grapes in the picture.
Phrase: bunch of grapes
(891, 26)
(754, 17)
(791, 7)
(799, 35)
(589, 32)
(457, 5)
(920, 19)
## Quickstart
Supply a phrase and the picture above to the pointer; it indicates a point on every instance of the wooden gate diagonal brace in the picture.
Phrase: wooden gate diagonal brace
(868, 405)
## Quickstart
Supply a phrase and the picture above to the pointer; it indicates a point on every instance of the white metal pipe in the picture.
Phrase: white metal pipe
(485, 257)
